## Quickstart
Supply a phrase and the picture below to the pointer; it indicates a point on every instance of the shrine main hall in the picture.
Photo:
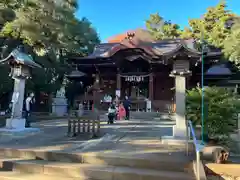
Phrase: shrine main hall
(135, 65)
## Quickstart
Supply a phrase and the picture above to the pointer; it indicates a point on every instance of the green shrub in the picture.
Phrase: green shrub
(220, 111)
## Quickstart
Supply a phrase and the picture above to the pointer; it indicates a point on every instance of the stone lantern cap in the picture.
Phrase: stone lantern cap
(21, 59)
(76, 74)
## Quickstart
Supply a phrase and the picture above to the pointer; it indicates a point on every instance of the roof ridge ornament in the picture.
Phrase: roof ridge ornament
(130, 35)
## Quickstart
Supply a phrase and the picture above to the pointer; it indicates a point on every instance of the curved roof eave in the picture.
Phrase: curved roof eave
(179, 47)
(154, 50)
(115, 49)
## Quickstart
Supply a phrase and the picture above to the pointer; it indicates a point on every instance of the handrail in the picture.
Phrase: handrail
(198, 147)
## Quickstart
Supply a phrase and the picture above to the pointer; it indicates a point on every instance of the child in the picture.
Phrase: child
(111, 114)
(121, 112)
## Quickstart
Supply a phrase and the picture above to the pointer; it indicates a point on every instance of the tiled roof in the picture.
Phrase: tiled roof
(143, 40)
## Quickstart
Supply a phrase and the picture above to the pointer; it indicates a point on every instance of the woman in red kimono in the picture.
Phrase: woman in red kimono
(121, 112)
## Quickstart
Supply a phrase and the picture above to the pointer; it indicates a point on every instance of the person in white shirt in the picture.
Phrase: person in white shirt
(28, 102)
(111, 113)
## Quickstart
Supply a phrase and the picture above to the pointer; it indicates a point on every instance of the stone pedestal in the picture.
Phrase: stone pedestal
(59, 106)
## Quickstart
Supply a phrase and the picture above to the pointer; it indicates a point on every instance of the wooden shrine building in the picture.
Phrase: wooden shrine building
(146, 70)
(141, 68)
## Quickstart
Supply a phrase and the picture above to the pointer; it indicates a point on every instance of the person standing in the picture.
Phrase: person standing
(121, 112)
(111, 113)
(28, 103)
(126, 104)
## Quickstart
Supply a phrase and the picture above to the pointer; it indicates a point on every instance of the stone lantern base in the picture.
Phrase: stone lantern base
(15, 123)
(15, 128)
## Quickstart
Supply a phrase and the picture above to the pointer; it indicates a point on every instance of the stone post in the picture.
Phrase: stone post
(180, 73)
(17, 121)
(19, 87)
(180, 94)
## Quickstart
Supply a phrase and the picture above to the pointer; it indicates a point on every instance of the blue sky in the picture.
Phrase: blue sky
(112, 17)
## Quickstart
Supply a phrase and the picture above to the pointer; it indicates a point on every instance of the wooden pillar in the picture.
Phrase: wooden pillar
(95, 90)
(150, 87)
(118, 82)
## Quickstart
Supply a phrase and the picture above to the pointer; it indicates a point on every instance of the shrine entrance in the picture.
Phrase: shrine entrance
(134, 77)
(136, 88)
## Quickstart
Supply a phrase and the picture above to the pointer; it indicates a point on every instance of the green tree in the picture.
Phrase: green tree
(161, 29)
(211, 27)
(232, 43)
(221, 108)
(49, 31)
(41, 24)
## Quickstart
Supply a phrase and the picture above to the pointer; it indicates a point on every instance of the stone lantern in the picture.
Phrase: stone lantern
(77, 75)
(20, 64)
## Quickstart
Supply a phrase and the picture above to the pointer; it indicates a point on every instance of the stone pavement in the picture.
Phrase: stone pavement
(53, 134)
(138, 138)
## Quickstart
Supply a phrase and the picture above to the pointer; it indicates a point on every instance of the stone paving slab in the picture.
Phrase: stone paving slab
(53, 136)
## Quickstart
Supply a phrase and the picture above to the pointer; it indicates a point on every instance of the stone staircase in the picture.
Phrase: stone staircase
(29, 164)
(144, 115)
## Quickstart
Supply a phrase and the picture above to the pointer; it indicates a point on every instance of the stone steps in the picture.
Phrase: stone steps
(160, 159)
(89, 171)
(166, 163)
(120, 166)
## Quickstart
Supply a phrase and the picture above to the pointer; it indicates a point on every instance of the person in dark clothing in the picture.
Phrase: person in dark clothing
(126, 104)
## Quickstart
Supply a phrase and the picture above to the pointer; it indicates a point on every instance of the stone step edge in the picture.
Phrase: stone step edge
(141, 163)
(10, 175)
(77, 157)
(93, 172)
